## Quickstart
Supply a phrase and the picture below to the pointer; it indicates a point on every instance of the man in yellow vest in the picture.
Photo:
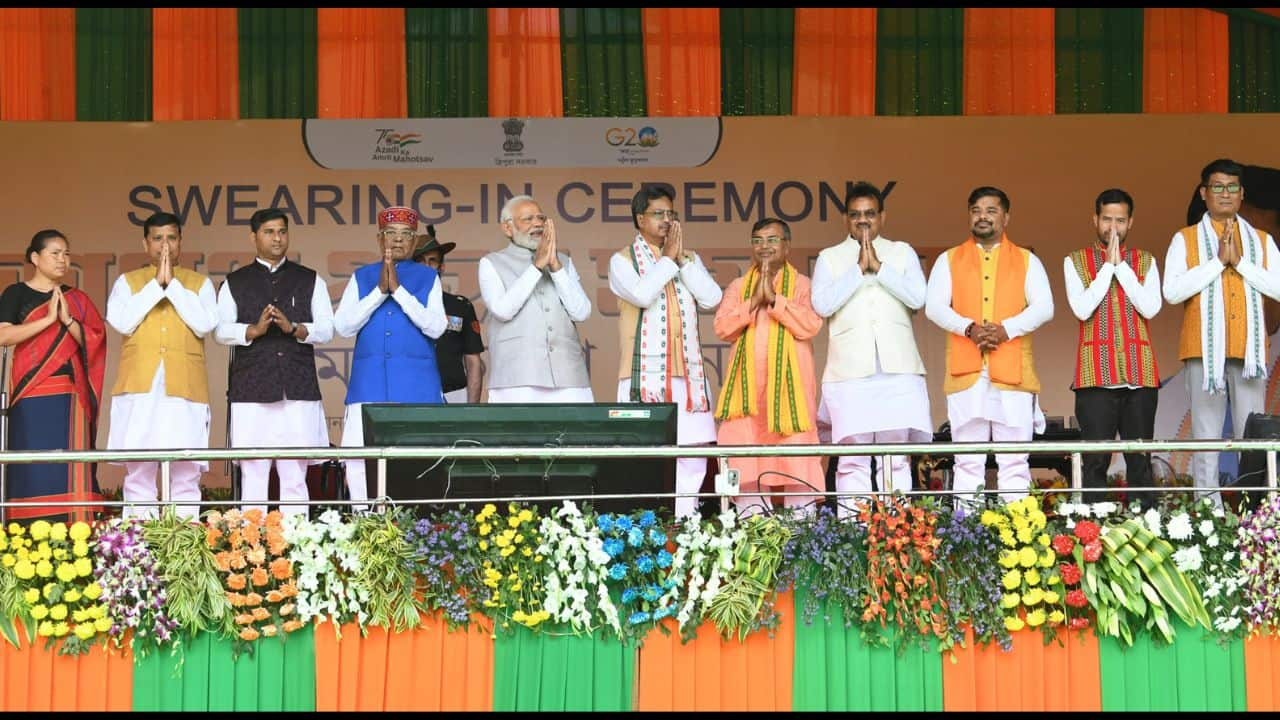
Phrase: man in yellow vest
(161, 396)
(1219, 270)
(1114, 290)
(990, 294)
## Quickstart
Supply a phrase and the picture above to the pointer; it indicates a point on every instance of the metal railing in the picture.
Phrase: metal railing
(722, 453)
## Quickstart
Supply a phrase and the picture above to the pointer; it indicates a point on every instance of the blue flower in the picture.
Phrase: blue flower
(622, 523)
(605, 523)
(668, 584)
(645, 564)
(619, 571)
(647, 519)
(664, 559)
(651, 593)
(635, 538)
(614, 547)
(638, 617)
(657, 537)
(664, 611)
(629, 594)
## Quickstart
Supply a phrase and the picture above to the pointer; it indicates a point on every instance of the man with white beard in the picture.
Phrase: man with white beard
(533, 297)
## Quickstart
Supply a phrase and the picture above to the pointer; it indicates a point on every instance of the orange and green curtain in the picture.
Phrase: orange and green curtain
(128, 64)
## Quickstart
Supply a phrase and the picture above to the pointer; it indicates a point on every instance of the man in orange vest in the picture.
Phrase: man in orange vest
(990, 294)
(161, 396)
(1219, 270)
(1114, 290)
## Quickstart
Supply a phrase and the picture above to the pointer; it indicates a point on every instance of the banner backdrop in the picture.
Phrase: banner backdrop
(97, 182)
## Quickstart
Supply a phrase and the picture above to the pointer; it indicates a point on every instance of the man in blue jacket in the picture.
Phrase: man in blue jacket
(394, 308)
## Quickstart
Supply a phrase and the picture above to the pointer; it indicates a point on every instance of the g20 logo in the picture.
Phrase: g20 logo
(646, 136)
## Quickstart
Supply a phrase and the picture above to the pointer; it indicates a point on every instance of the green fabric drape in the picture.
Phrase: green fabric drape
(757, 60)
(447, 61)
(277, 62)
(113, 63)
(836, 670)
(602, 62)
(1254, 62)
(1194, 673)
(279, 676)
(1098, 58)
(919, 61)
(561, 672)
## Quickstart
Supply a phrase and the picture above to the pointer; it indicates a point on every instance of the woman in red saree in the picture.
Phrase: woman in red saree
(55, 386)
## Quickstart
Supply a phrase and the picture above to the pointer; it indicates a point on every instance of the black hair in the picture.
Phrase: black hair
(161, 219)
(1112, 196)
(786, 229)
(862, 189)
(647, 194)
(40, 241)
(266, 215)
(1226, 166)
(988, 191)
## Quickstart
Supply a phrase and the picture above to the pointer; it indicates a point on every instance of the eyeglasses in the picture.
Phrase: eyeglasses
(663, 214)
(870, 214)
(1219, 188)
(770, 240)
(526, 219)
(401, 234)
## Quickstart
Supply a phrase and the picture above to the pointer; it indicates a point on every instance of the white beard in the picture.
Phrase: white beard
(525, 240)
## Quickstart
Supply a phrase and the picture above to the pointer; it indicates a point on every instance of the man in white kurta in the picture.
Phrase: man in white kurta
(161, 395)
(873, 387)
(533, 297)
(990, 294)
(394, 308)
(661, 285)
(272, 313)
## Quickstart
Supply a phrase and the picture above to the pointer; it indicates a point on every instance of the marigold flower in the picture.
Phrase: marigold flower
(1056, 617)
(61, 629)
(212, 536)
(236, 581)
(292, 625)
(269, 631)
(236, 599)
(1010, 600)
(260, 577)
(39, 612)
(83, 567)
(80, 549)
(237, 561)
(253, 599)
(1034, 596)
(92, 591)
(286, 609)
(102, 624)
(45, 629)
(1031, 577)
(1013, 624)
(281, 568)
(1011, 580)
(275, 596)
(84, 630)
(40, 530)
(249, 634)
(257, 555)
(244, 619)
(1036, 618)
(260, 613)
(24, 570)
(1051, 597)
(1027, 557)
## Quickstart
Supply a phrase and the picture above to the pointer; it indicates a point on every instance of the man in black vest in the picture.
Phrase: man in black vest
(458, 349)
(272, 312)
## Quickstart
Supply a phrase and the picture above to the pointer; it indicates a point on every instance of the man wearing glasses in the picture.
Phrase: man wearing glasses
(660, 286)
(395, 309)
(1220, 269)
(533, 296)
(873, 387)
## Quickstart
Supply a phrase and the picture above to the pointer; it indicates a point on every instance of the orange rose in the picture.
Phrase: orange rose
(257, 555)
(235, 581)
(275, 596)
(269, 631)
(253, 599)
(244, 619)
(260, 613)
(249, 634)
(292, 625)
(286, 610)
(260, 577)
(281, 568)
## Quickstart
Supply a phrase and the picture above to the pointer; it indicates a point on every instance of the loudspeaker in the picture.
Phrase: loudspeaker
(1253, 464)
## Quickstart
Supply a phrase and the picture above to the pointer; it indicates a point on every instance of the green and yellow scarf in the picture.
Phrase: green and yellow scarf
(786, 411)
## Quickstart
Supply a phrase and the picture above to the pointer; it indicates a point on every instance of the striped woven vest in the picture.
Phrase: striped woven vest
(1115, 342)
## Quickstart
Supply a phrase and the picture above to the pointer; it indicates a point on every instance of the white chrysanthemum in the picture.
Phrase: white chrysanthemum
(1206, 527)
(1180, 526)
(1188, 559)
(1103, 509)
(1212, 541)
(1151, 519)
(1226, 625)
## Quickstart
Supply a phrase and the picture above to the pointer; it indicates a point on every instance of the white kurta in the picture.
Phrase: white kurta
(352, 314)
(883, 401)
(284, 423)
(983, 401)
(154, 420)
(505, 302)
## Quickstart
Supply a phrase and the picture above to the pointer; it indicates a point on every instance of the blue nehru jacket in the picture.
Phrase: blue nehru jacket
(394, 361)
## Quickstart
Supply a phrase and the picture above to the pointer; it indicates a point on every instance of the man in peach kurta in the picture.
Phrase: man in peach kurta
(770, 388)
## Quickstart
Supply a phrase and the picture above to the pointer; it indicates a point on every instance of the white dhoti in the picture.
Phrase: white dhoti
(692, 428)
(540, 395)
(984, 413)
(285, 423)
(156, 421)
(880, 408)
